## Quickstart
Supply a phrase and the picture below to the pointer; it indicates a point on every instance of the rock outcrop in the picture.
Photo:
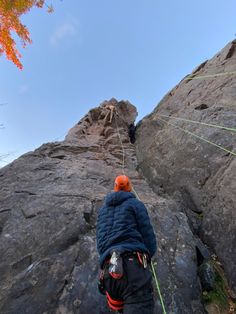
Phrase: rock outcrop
(49, 201)
(194, 172)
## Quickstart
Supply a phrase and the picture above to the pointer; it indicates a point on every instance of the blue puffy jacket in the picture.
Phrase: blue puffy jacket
(123, 224)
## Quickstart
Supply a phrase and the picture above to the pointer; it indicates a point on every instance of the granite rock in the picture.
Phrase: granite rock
(49, 200)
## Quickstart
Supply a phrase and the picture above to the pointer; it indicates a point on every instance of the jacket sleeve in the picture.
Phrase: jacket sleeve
(145, 227)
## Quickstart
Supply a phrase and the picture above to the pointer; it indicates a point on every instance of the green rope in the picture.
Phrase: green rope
(154, 272)
(158, 288)
(203, 123)
(153, 269)
(200, 137)
(192, 77)
(122, 146)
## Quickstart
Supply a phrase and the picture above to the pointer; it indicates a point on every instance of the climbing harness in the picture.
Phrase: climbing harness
(199, 137)
(193, 77)
(152, 265)
(115, 305)
(113, 266)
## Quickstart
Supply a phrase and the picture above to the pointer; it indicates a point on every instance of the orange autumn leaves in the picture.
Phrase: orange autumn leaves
(10, 13)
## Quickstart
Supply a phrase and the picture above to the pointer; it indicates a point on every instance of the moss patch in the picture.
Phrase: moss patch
(220, 296)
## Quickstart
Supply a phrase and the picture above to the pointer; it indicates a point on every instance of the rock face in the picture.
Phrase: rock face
(192, 171)
(49, 199)
(48, 204)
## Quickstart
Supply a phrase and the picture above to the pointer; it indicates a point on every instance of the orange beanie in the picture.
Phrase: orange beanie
(122, 183)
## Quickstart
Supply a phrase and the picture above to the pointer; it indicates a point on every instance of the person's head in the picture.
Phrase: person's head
(122, 183)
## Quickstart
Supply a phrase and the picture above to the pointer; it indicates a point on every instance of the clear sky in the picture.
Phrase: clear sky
(88, 51)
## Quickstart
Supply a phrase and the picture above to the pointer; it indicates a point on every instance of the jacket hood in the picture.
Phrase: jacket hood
(116, 198)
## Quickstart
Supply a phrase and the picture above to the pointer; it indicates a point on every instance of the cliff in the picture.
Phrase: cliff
(49, 199)
(187, 167)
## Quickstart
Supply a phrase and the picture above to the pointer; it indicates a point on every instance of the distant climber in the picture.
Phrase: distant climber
(110, 111)
(131, 133)
(125, 242)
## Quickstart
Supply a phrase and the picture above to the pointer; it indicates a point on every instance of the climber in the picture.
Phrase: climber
(125, 242)
(110, 110)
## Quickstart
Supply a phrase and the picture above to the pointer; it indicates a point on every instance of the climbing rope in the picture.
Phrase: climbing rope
(193, 77)
(122, 146)
(154, 272)
(158, 288)
(192, 134)
(202, 123)
(152, 265)
(199, 137)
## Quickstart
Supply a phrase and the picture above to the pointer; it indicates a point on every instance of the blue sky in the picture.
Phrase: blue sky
(88, 51)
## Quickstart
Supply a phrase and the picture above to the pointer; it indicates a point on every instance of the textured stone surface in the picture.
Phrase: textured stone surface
(48, 204)
(199, 175)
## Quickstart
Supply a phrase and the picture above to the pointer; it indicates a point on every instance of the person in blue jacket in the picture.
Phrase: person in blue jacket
(125, 242)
